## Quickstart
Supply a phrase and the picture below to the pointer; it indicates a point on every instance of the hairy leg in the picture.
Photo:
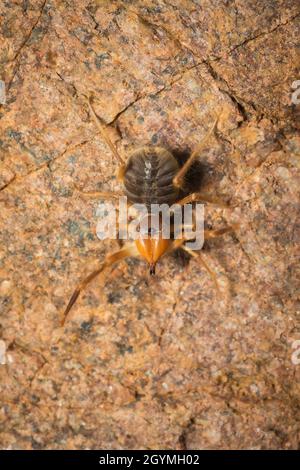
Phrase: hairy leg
(218, 233)
(178, 180)
(199, 256)
(99, 194)
(179, 243)
(106, 138)
(202, 197)
(123, 253)
(104, 133)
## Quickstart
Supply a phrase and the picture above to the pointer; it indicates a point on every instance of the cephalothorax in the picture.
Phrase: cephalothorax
(151, 175)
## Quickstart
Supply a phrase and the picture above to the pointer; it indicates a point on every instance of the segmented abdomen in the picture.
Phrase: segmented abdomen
(149, 175)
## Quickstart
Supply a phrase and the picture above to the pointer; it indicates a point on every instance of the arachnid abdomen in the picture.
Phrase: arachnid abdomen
(148, 177)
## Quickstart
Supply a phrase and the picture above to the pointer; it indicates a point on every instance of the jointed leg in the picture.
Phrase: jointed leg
(202, 197)
(218, 233)
(129, 250)
(179, 178)
(99, 194)
(205, 265)
(179, 243)
(105, 136)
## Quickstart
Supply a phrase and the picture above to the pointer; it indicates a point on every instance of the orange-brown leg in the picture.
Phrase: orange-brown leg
(207, 234)
(218, 233)
(178, 180)
(106, 138)
(201, 197)
(211, 234)
(129, 250)
(204, 264)
(99, 194)
(180, 244)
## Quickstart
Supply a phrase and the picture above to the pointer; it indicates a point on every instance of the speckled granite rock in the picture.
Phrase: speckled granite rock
(161, 362)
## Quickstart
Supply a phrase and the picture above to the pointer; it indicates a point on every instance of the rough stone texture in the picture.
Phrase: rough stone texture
(160, 362)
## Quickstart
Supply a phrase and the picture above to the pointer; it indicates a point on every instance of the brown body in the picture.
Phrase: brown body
(148, 177)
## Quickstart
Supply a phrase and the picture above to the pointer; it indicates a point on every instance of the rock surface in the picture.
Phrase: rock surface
(158, 363)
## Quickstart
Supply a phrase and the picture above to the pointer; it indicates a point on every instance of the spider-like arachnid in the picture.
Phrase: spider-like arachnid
(151, 175)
